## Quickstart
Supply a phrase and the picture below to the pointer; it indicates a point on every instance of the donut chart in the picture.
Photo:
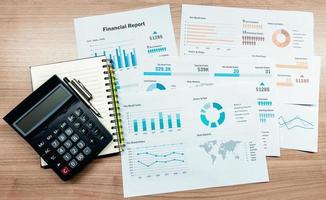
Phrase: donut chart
(217, 109)
(281, 38)
(155, 86)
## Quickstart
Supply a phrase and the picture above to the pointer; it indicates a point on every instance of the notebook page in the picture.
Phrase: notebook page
(90, 73)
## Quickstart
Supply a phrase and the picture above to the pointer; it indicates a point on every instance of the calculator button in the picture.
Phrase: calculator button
(81, 144)
(91, 140)
(83, 118)
(76, 124)
(55, 144)
(47, 151)
(53, 157)
(83, 130)
(61, 150)
(73, 163)
(96, 132)
(62, 137)
(49, 137)
(89, 125)
(68, 144)
(69, 131)
(71, 118)
(67, 156)
(80, 157)
(63, 125)
(65, 170)
(87, 151)
(74, 138)
(58, 164)
(78, 112)
(41, 144)
(55, 131)
(74, 150)
(101, 137)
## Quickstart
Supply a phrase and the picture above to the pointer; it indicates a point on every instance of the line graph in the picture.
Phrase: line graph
(162, 155)
(158, 160)
(295, 122)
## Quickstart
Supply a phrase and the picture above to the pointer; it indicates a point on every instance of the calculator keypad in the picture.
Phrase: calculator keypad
(69, 131)
(83, 118)
(71, 118)
(61, 150)
(71, 142)
(76, 124)
(87, 151)
(55, 143)
(80, 157)
(67, 156)
(89, 125)
(62, 137)
(78, 112)
(81, 144)
(63, 125)
(74, 138)
(68, 144)
(73, 163)
(74, 150)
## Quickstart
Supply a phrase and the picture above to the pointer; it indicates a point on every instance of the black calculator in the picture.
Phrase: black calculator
(60, 127)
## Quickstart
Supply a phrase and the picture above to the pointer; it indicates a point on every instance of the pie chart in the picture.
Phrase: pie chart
(281, 38)
(212, 115)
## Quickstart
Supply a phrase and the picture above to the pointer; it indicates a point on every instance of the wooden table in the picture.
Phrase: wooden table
(38, 32)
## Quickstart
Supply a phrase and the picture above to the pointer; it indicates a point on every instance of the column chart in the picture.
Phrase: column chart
(154, 122)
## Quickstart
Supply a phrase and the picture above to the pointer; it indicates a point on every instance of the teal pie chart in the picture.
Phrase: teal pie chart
(212, 115)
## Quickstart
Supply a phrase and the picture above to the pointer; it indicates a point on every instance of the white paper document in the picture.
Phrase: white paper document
(223, 31)
(127, 38)
(297, 82)
(198, 138)
(184, 72)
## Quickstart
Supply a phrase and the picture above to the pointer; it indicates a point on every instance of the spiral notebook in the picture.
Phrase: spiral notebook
(98, 77)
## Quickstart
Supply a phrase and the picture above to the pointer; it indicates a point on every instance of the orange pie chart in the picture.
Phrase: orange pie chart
(281, 38)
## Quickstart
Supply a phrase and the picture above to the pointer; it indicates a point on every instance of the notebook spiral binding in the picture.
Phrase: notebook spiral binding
(113, 103)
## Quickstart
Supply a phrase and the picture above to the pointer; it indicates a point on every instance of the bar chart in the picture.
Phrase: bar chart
(121, 57)
(296, 65)
(208, 38)
(156, 122)
(123, 53)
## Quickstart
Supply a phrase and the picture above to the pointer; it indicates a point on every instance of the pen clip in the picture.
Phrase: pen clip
(75, 88)
(81, 85)
(81, 90)
(81, 93)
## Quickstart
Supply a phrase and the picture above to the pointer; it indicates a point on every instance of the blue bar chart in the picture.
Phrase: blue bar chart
(155, 122)
(122, 58)
(123, 54)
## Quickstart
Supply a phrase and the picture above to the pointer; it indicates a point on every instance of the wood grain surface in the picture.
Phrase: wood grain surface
(38, 32)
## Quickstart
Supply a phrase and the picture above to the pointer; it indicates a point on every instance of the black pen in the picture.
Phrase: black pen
(77, 89)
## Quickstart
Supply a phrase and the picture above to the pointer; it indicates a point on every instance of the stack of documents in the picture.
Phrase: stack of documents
(245, 84)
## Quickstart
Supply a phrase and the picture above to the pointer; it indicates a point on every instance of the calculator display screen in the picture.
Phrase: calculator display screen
(42, 110)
